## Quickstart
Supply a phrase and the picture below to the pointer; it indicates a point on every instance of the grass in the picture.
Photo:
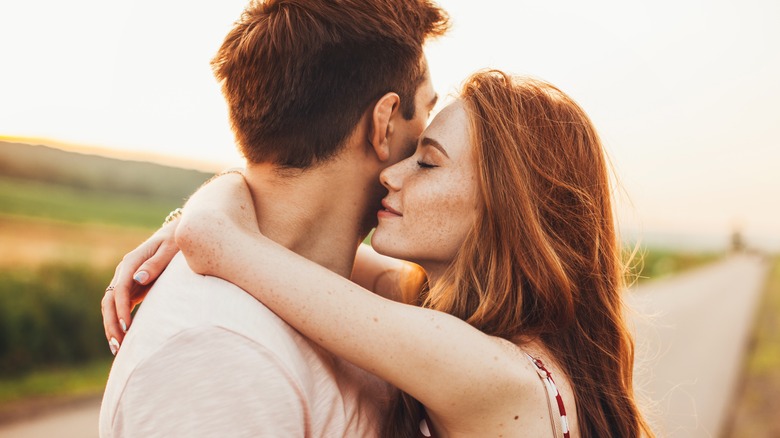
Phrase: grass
(50, 317)
(34, 242)
(19, 197)
(66, 220)
(69, 381)
(756, 405)
(655, 263)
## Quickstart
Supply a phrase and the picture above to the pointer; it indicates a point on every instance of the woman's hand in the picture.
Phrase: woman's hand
(136, 273)
(133, 277)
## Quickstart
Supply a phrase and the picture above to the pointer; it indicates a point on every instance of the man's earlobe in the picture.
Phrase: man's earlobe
(382, 124)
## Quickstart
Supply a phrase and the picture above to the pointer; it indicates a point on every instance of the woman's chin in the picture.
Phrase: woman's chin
(376, 242)
(386, 245)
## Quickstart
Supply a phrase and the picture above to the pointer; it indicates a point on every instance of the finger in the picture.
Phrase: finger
(150, 270)
(126, 294)
(108, 308)
(122, 305)
(154, 266)
(114, 334)
(125, 285)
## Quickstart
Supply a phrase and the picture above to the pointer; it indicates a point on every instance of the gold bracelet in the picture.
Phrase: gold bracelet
(172, 216)
(175, 214)
(236, 170)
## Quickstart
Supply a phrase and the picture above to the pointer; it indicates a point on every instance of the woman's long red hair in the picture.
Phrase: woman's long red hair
(543, 260)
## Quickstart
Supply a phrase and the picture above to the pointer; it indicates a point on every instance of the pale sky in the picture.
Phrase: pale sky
(684, 93)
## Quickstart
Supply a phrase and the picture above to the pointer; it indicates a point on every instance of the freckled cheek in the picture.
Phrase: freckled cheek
(441, 218)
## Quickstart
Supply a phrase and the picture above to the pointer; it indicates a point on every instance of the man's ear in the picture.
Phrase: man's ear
(382, 124)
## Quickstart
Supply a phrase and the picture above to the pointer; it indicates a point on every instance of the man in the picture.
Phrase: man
(322, 96)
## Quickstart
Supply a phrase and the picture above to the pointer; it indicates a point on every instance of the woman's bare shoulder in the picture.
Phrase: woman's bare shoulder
(537, 364)
(515, 403)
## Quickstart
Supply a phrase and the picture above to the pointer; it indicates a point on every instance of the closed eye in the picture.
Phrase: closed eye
(425, 165)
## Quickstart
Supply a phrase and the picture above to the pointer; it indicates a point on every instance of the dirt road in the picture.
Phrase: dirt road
(691, 346)
(80, 420)
(689, 352)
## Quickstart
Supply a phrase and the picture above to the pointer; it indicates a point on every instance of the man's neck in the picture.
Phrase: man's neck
(318, 213)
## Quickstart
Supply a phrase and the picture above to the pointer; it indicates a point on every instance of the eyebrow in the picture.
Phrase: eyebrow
(427, 141)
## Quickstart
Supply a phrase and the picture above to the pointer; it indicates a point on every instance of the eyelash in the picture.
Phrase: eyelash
(425, 165)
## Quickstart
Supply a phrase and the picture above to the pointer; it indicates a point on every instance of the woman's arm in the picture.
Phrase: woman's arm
(391, 278)
(446, 364)
(139, 269)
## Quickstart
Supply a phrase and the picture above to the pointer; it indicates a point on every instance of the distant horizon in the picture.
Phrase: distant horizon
(656, 238)
(120, 154)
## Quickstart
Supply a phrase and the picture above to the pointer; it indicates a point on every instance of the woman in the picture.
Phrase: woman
(506, 206)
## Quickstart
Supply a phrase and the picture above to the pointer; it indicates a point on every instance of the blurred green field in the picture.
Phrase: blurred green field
(20, 197)
(66, 219)
(63, 380)
(96, 173)
(51, 333)
(654, 263)
(49, 316)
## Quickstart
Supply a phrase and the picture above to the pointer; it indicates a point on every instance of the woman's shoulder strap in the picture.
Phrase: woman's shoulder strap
(560, 424)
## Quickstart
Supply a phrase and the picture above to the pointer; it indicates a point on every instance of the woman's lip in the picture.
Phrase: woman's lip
(389, 209)
(385, 214)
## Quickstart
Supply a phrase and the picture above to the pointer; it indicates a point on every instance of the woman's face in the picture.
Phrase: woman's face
(432, 198)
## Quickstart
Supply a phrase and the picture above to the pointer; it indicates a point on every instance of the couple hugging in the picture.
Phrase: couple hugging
(488, 304)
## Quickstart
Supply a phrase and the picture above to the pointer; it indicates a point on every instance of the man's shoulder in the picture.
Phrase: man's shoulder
(204, 381)
(184, 306)
(192, 327)
(182, 299)
(207, 381)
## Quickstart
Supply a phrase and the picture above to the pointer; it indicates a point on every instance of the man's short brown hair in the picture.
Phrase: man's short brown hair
(298, 74)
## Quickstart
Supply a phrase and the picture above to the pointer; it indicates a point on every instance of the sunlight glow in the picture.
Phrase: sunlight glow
(684, 93)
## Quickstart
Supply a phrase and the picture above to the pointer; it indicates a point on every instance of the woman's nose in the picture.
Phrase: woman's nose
(391, 176)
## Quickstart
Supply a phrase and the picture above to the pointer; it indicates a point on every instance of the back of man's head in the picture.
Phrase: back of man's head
(298, 74)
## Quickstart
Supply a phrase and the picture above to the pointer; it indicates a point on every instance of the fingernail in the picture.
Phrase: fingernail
(113, 344)
(140, 277)
(123, 324)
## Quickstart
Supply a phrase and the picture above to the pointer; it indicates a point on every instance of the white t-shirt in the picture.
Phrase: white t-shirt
(205, 359)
